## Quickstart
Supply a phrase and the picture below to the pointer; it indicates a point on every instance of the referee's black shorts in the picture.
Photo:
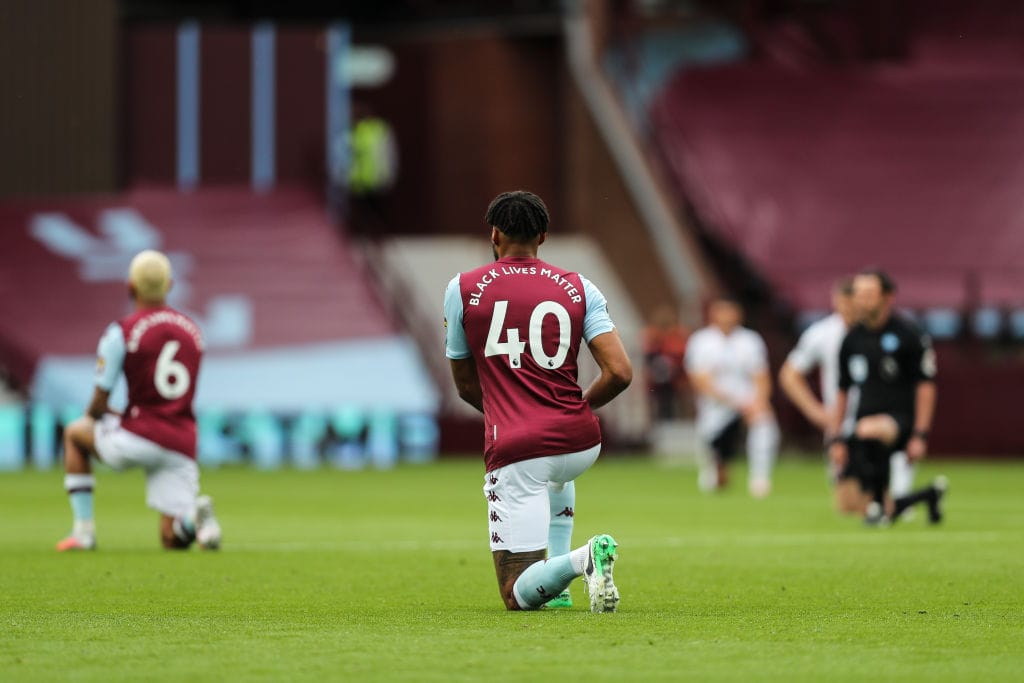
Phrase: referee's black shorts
(905, 423)
(868, 461)
(868, 466)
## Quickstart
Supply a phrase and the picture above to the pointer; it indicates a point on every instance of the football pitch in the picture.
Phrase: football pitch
(331, 575)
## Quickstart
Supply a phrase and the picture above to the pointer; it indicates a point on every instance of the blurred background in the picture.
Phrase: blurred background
(318, 171)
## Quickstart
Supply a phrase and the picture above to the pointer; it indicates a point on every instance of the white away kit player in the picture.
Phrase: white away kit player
(728, 367)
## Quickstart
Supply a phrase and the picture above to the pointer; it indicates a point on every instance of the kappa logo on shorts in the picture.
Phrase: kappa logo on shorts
(493, 497)
(567, 512)
(491, 479)
(495, 517)
(495, 538)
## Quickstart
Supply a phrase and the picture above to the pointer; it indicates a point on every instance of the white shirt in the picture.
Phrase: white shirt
(733, 361)
(819, 347)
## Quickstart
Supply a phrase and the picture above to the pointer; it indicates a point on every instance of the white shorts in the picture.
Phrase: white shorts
(172, 479)
(518, 511)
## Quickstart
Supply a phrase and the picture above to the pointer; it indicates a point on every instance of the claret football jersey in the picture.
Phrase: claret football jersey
(159, 349)
(522, 321)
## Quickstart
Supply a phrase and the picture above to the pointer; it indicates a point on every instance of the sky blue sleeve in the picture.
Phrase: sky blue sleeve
(596, 321)
(109, 357)
(456, 345)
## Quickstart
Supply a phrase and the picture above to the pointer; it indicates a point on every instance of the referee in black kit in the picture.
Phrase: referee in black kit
(887, 378)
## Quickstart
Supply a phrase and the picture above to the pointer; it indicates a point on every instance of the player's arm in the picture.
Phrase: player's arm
(698, 370)
(793, 379)
(606, 347)
(796, 387)
(464, 374)
(109, 361)
(467, 382)
(924, 411)
(924, 401)
(837, 450)
(99, 405)
(760, 404)
(834, 421)
(762, 395)
(616, 370)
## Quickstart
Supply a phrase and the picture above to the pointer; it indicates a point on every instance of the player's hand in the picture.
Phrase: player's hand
(838, 454)
(917, 448)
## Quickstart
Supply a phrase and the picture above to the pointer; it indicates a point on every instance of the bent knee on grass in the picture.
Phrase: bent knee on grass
(168, 539)
(508, 567)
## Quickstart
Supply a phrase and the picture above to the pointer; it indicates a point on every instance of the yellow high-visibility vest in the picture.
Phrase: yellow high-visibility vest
(373, 166)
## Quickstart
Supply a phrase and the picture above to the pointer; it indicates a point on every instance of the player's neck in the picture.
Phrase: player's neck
(148, 305)
(518, 251)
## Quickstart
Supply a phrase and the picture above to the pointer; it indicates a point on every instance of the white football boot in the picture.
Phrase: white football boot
(597, 576)
(207, 526)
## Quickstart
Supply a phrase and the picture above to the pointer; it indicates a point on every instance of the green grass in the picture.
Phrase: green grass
(386, 576)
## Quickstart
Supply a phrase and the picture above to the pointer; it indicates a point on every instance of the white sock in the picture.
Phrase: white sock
(579, 557)
(83, 528)
(79, 488)
(762, 444)
(707, 468)
(901, 475)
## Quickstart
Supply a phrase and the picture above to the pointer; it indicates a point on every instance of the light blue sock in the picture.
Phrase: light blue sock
(79, 488)
(543, 581)
(81, 505)
(562, 498)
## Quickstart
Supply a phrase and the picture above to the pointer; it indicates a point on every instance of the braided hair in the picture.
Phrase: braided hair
(519, 215)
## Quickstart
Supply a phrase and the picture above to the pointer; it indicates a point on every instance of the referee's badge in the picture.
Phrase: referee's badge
(890, 342)
(858, 366)
(889, 369)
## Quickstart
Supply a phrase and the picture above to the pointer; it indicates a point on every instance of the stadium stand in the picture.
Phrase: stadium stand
(267, 276)
(813, 139)
(813, 172)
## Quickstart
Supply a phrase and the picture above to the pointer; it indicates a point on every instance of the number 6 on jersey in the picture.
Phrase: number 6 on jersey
(514, 348)
(171, 377)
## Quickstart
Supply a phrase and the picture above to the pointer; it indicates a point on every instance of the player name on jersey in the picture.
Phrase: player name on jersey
(493, 274)
(143, 324)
